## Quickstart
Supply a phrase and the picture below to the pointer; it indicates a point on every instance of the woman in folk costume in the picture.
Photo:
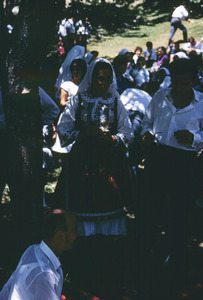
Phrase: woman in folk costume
(95, 129)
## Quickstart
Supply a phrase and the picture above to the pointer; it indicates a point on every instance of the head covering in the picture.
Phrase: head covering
(88, 57)
(166, 71)
(50, 110)
(87, 80)
(64, 71)
(123, 51)
(181, 54)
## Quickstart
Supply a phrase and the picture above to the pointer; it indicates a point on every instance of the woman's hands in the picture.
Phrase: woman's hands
(95, 131)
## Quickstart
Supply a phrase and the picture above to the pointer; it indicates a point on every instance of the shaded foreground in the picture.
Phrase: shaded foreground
(138, 266)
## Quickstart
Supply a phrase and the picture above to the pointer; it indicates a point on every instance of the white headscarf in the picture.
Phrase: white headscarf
(87, 80)
(181, 54)
(64, 71)
(88, 57)
(123, 51)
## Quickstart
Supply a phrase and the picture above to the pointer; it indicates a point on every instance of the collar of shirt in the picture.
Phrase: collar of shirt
(50, 254)
(195, 99)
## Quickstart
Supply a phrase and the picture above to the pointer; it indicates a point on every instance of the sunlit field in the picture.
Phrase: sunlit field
(109, 45)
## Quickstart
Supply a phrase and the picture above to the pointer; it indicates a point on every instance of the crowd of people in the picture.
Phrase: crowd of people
(107, 120)
(138, 110)
(71, 32)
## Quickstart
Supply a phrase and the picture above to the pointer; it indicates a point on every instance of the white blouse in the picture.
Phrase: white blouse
(98, 111)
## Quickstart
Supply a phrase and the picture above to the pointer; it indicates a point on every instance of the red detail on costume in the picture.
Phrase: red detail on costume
(112, 180)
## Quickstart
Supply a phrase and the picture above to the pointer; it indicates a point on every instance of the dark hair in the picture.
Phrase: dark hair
(182, 66)
(138, 48)
(141, 59)
(101, 65)
(149, 44)
(78, 64)
(95, 53)
(53, 221)
(163, 49)
(118, 61)
(191, 39)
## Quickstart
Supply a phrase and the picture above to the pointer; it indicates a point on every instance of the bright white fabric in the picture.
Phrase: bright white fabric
(67, 118)
(50, 110)
(135, 99)
(86, 82)
(198, 47)
(116, 225)
(96, 109)
(70, 25)
(180, 12)
(135, 58)
(181, 54)
(64, 71)
(37, 276)
(146, 54)
(167, 80)
(162, 119)
(82, 28)
(71, 88)
(141, 76)
(62, 29)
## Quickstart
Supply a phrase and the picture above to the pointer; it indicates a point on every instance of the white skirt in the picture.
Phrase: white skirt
(111, 223)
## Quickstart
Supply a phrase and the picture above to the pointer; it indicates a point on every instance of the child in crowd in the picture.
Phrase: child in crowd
(140, 74)
(138, 52)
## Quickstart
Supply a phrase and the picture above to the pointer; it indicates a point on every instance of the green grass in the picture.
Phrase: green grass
(109, 46)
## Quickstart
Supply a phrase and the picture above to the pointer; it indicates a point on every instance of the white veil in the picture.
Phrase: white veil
(123, 51)
(64, 71)
(88, 57)
(87, 80)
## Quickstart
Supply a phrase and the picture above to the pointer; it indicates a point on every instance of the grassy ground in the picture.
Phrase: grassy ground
(109, 45)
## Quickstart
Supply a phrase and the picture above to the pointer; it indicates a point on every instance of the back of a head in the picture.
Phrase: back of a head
(141, 60)
(53, 221)
(183, 66)
(95, 53)
(149, 45)
(119, 60)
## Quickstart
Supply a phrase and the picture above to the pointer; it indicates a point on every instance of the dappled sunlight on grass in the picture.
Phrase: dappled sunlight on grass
(110, 45)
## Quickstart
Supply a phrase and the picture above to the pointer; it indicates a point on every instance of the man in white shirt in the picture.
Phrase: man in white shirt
(172, 135)
(39, 274)
(175, 115)
(69, 39)
(180, 13)
(149, 54)
(193, 45)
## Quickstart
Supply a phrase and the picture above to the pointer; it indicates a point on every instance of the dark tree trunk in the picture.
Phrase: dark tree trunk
(21, 55)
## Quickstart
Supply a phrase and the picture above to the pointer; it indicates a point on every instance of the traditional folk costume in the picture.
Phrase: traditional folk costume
(99, 179)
